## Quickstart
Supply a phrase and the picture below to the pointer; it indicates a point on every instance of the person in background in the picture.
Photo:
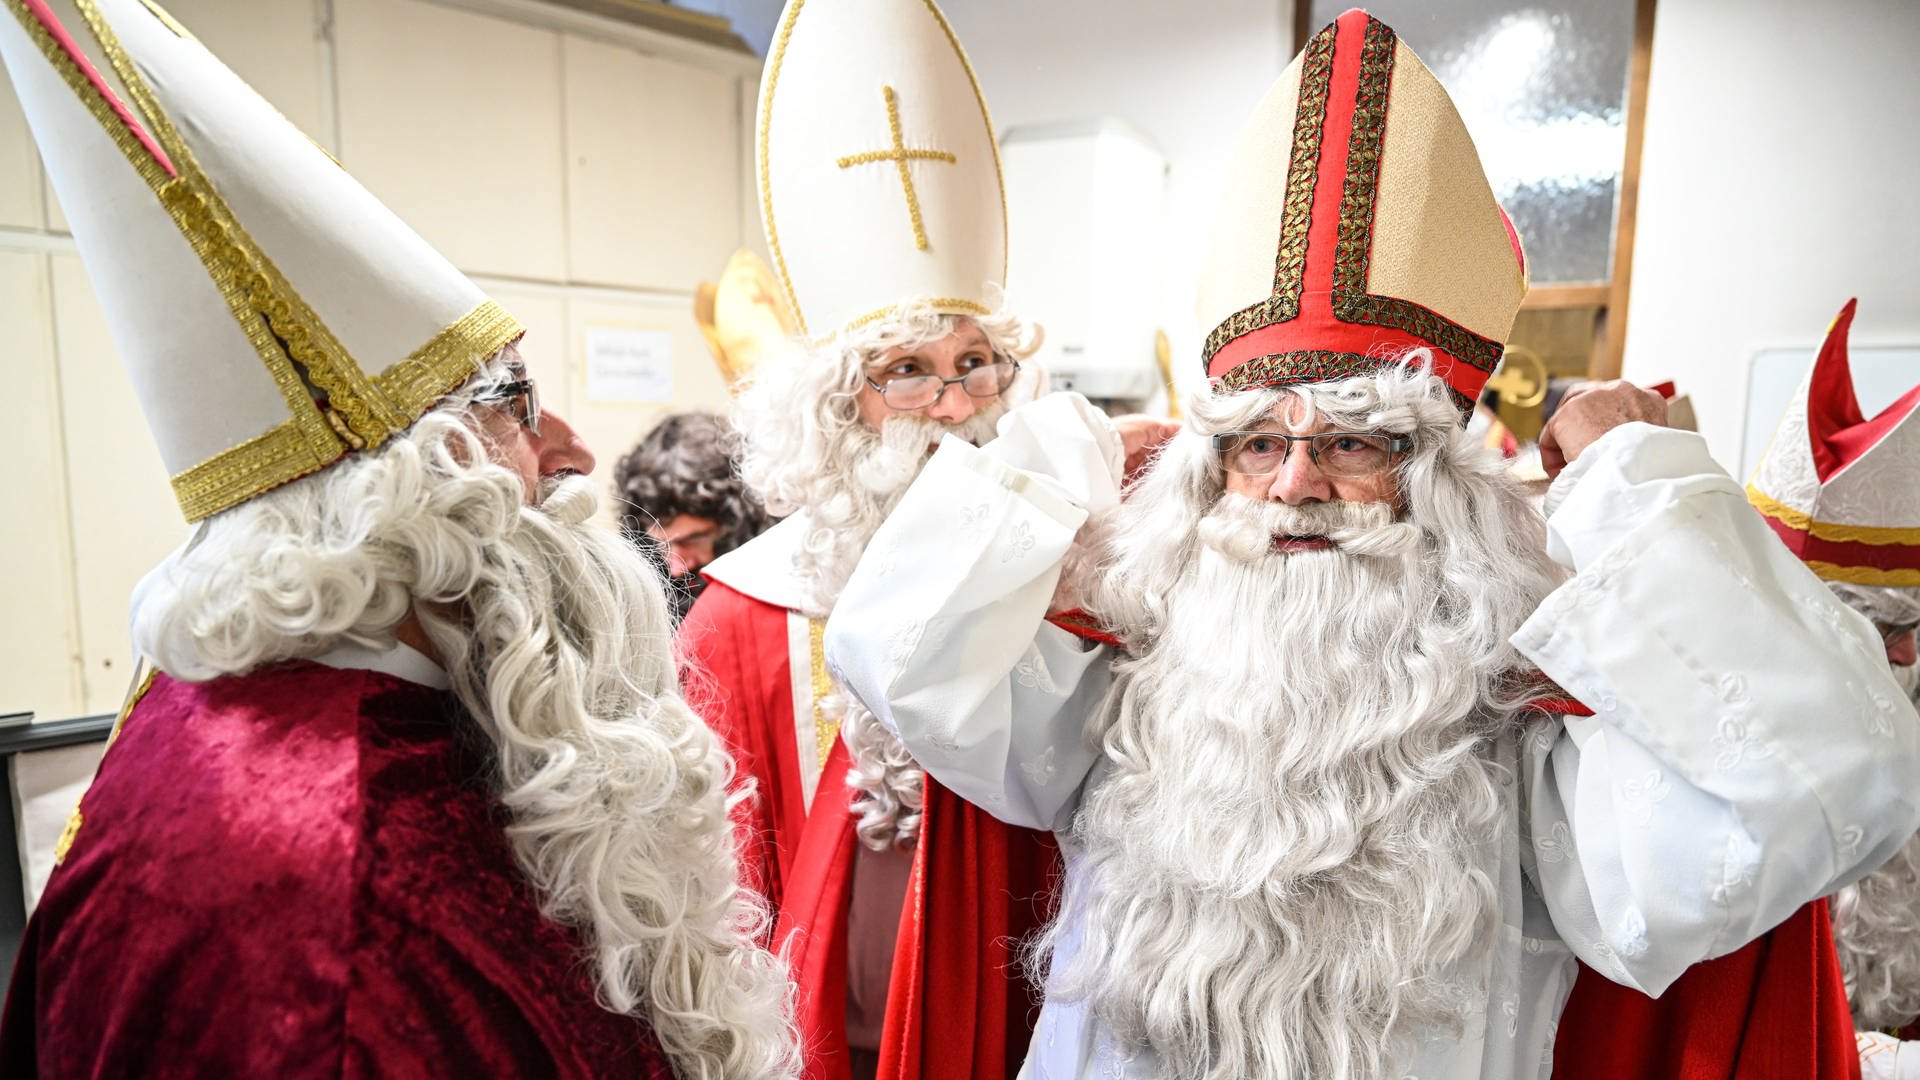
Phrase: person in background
(682, 501)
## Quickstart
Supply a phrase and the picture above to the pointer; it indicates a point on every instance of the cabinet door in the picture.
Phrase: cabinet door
(125, 519)
(453, 119)
(39, 632)
(653, 171)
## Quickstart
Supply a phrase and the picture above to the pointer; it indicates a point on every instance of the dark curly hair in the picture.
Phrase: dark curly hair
(685, 465)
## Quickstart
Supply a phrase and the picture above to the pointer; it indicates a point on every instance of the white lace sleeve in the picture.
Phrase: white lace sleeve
(941, 630)
(1749, 749)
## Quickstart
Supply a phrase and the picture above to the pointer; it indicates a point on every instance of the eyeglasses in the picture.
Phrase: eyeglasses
(1260, 454)
(909, 392)
(517, 399)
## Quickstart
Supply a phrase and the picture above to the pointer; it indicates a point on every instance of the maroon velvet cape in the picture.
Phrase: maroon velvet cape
(302, 872)
(957, 1004)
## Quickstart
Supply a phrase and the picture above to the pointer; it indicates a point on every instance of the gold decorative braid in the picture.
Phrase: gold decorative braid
(1827, 530)
(1302, 366)
(1351, 302)
(167, 20)
(282, 454)
(902, 158)
(824, 730)
(359, 411)
(74, 820)
(1296, 217)
(775, 58)
(950, 304)
(1864, 575)
(986, 117)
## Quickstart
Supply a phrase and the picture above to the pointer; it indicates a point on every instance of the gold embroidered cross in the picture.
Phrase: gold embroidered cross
(900, 156)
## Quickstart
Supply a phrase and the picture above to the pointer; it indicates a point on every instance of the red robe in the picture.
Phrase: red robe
(958, 1005)
(1776, 1008)
(302, 872)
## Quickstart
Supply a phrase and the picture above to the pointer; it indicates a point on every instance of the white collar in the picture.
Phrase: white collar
(402, 662)
(762, 568)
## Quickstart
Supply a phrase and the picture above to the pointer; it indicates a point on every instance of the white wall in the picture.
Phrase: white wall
(1780, 178)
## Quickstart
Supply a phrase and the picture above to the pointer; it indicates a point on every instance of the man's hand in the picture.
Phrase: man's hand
(1140, 436)
(1590, 411)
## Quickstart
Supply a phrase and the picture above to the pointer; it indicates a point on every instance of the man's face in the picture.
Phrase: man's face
(962, 351)
(688, 541)
(1901, 650)
(1273, 470)
(507, 428)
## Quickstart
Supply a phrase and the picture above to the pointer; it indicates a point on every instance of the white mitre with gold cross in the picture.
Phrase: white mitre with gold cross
(879, 174)
(272, 314)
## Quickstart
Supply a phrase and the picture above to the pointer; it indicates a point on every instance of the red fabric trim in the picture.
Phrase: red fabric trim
(736, 674)
(1077, 622)
(1811, 548)
(959, 1006)
(1559, 706)
(45, 16)
(1774, 1009)
(1840, 434)
(813, 921)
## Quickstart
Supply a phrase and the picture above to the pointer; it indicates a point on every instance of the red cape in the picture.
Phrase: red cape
(302, 872)
(1773, 1010)
(958, 1006)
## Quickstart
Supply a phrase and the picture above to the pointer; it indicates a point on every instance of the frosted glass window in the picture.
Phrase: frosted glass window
(1543, 88)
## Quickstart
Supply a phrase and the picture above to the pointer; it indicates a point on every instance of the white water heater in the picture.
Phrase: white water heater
(1086, 204)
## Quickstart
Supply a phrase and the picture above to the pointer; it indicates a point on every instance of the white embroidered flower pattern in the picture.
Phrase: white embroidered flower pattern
(900, 644)
(1557, 845)
(1642, 793)
(1633, 933)
(1732, 688)
(1740, 865)
(1736, 743)
(1511, 1009)
(973, 520)
(1040, 771)
(1032, 672)
(1849, 843)
(1019, 543)
(1881, 722)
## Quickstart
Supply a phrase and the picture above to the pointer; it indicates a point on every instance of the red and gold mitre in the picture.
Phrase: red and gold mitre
(1357, 224)
(273, 315)
(1841, 490)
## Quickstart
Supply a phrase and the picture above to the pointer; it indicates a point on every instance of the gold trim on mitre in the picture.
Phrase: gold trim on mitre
(776, 60)
(1864, 575)
(1802, 521)
(333, 404)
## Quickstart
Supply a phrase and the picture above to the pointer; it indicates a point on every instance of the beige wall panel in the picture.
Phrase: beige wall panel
(19, 165)
(124, 516)
(454, 120)
(611, 428)
(753, 234)
(274, 45)
(544, 313)
(39, 630)
(653, 177)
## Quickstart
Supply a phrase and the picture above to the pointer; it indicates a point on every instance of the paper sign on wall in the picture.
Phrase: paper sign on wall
(629, 365)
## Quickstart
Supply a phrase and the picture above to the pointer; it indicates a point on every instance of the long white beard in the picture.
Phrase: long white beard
(1281, 871)
(1876, 927)
(875, 475)
(616, 791)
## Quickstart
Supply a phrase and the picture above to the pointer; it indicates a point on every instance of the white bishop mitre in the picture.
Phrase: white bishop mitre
(879, 174)
(1840, 489)
(272, 314)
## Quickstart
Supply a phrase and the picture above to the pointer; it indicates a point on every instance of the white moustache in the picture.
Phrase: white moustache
(1246, 529)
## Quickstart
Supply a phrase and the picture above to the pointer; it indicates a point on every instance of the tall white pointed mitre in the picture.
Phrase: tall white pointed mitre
(272, 314)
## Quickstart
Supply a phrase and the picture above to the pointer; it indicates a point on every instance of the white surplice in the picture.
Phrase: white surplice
(1749, 749)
